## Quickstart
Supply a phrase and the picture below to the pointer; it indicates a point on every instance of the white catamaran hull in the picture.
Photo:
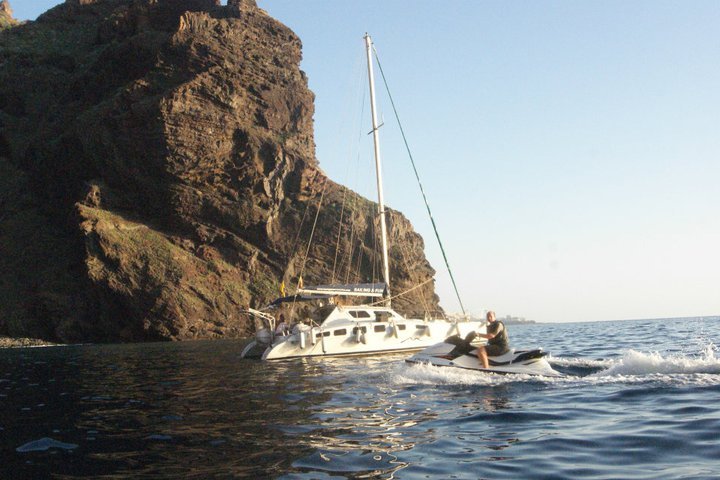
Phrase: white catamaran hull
(343, 334)
(452, 353)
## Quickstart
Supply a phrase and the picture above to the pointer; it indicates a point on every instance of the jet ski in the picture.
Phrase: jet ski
(459, 353)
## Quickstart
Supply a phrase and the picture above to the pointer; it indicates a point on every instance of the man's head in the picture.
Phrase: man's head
(490, 316)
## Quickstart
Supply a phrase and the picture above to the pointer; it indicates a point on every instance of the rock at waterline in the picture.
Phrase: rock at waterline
(45, 443)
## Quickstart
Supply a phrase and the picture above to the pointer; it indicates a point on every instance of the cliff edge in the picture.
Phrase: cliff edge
(158, 174)
(6, 15)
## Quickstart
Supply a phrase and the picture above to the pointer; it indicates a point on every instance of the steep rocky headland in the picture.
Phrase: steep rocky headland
(158, 174)
(6, 15)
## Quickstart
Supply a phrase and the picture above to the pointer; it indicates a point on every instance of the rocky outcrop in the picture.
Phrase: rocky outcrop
(157, 174)
(18, 342)
(6, 15)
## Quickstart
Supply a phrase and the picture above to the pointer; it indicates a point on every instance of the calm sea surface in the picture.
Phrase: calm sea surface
(641, 399)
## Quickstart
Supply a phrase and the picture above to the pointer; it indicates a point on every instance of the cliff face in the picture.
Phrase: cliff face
(157, 174)
(6, 15)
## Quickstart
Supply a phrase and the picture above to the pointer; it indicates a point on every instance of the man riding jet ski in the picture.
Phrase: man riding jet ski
(495, 357)
(498, 342)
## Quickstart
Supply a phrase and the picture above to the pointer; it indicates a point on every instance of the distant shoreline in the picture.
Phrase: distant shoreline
(518, 322)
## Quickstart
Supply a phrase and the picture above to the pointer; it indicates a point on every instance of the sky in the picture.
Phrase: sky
(570, 151)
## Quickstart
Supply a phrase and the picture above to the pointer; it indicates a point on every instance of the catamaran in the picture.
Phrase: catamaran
(327, 326)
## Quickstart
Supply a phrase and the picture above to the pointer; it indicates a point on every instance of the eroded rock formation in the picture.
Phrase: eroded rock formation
(6, 15)
(158, 173)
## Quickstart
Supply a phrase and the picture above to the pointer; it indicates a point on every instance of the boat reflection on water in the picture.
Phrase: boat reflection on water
(380, 429)
(362, 439)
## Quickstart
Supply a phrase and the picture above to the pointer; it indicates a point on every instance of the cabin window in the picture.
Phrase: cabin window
(379, 328)
(362, 329)
(401, 326)
(421, 327)
(339, 332)
(359, 314)
(322, 334)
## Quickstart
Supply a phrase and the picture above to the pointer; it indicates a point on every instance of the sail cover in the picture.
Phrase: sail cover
(352, 290)
(297, 298)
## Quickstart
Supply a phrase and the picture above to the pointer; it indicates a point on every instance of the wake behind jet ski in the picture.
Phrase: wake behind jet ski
(461, 353)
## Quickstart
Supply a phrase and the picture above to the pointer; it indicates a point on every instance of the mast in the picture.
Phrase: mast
(378, 166)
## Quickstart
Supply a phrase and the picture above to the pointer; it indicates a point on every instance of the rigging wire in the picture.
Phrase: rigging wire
(297, 236)
(358, 268)
(350, 252)
(312, 233)
(402, 293)
(361, 92)
(375, 260)
(298, 285)
(404, 252)
(417, 176)
(340, 229)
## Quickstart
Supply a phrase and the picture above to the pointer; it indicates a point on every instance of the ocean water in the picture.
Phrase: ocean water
(640, 400)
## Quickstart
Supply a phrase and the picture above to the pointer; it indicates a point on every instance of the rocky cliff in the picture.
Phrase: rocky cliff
(158, 174)
(6, 15)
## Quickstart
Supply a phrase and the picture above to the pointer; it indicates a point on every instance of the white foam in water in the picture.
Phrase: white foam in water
(638, 363)
(425, 374)
(632, 367)
(45, 443)
(580, 362)
(422, 374)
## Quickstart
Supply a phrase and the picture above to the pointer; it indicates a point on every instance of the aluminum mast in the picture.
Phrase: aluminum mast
(378, 167)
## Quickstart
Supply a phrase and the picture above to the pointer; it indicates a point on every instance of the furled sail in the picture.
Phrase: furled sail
(352, 290)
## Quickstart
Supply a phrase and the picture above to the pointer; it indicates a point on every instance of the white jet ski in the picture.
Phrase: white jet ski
(459, 353)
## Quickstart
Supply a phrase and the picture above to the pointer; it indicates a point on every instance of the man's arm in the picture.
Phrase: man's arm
(490, 336)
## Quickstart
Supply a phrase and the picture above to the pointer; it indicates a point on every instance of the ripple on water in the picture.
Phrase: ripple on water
(195, 410)
(346, 462)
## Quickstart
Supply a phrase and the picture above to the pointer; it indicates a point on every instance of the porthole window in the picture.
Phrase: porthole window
(379, 328)
(340, 332)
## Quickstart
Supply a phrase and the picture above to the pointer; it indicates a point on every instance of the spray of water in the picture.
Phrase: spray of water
(632, 367)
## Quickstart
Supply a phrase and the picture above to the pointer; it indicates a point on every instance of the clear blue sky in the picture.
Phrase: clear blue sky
(570, 150)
